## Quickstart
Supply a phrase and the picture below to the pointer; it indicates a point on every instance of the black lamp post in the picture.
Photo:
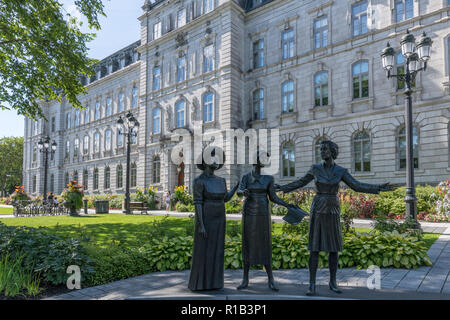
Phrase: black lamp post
(128, 128)
(412, 68)
(45, 148)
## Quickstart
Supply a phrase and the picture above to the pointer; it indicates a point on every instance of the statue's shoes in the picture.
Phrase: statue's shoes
(243, 285)
(311, 290)
(273, 286)
(335, 288)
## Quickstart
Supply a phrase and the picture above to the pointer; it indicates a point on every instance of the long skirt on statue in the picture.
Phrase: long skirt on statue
(207, 271)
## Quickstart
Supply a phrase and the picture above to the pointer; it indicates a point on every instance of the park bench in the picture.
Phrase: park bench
(28, 208)
(138, 205)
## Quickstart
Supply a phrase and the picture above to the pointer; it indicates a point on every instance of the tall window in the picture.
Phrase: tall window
(404, 9)
(66, 179)
(34, 154)
(97, 111)
(287, 96)
(359, 18)
(86, 145)
(67, 153)
(134, 97)
(321, 32)
(287, 43)
(108, 144)
(156, 168)
(107, 176)
(361, 152)
(402, 148)
(360, 72)
(208, 107)
(208, 58)
(181, 69)
(156, 78)
(258, 54)
(85, 179)
(52, 183)
(86, 115)
(321, 89)
(156, 120)
(76, 147)
(317, 145)
(34, 184)
(400, 65)
(258, 104)
(119, 176)
(288, 158)
(121, 102)
(133, 175)
(95, 179)
(77, 118)
(96, 142)
(208, 5)
(108, 106)
(68, 121)
(181, 18)
(119, 139)
(75, 176)
(53, 124)
(157, 30)
(179, 113)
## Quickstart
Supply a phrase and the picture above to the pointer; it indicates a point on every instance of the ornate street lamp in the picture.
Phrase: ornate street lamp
(45, 148)
(414, 57)
(128, 127)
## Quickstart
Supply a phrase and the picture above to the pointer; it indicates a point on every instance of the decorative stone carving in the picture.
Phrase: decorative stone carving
(181, 39)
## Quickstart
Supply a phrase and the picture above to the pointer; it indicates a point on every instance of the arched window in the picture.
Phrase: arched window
(87, 115)
(119, 176)
(317, 156)
(208, 107)
(133, 175)
(75, 176)
(179, 113)
(121, 102)
(85, 179)
(287, 96)
(96, 179)
(66, 179)
(108, 106)
(288, 158)
(258, 104)
(67, 151)
(361, 152)
(86, 145)
(360, 74)
(96, 142)
(156, 170)
(76, 147)
(107, 177)
(108, 144)
(402, 148)
(321, 89)
(134, 97)
(156, 120)
(97, 113)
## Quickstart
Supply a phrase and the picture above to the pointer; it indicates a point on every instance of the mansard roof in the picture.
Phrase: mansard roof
(247, 5)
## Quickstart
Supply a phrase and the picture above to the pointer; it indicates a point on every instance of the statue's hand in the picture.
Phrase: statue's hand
(246, 193)
(277, 187)
(202, 232)
(388, 187)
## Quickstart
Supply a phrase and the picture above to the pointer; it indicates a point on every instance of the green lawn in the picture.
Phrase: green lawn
(6, 211)
(103, 229)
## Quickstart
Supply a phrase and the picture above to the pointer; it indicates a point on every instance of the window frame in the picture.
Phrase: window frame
(362, 141)
(360, 77)
(287, 44)
(107, 178)
(133, 175)
(208, 60)
(358, 16)
(119, 176)
(287, 94)
(321, 86)
(180, 122)
(321, 31)
(289, 148)
(156, 170)
(156, 117)
(405, 10)
(157, 77)
(208, 107)
(258, 104)
(181, 68)
(258, 53)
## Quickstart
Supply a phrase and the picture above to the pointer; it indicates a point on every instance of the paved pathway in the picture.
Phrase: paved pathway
(422, 283)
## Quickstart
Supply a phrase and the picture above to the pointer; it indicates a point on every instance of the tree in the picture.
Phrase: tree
(11, 159)
(43, 53)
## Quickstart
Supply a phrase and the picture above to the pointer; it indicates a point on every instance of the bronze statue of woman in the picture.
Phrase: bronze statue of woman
(324, 227)
(256, 220)
(210, 195)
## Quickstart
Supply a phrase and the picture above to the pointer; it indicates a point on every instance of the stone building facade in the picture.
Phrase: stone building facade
(309, 68)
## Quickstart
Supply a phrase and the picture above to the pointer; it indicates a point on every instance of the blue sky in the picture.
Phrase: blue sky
(119, 29)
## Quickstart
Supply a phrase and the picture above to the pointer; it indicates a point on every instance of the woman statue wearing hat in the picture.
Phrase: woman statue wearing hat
(256, 220)
(210, 195)
(324, 227)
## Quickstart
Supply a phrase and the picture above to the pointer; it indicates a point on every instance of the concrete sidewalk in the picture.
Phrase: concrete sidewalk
(422, 283)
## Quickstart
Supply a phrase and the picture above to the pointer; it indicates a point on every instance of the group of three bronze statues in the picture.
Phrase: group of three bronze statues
(210, 194)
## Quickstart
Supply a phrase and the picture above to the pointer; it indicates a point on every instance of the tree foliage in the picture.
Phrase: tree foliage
(11, 159)
(43, 52)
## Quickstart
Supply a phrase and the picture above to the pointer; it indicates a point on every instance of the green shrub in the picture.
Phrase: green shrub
(181, 207)
(234, 205)
(16, 280)
(48, 254)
